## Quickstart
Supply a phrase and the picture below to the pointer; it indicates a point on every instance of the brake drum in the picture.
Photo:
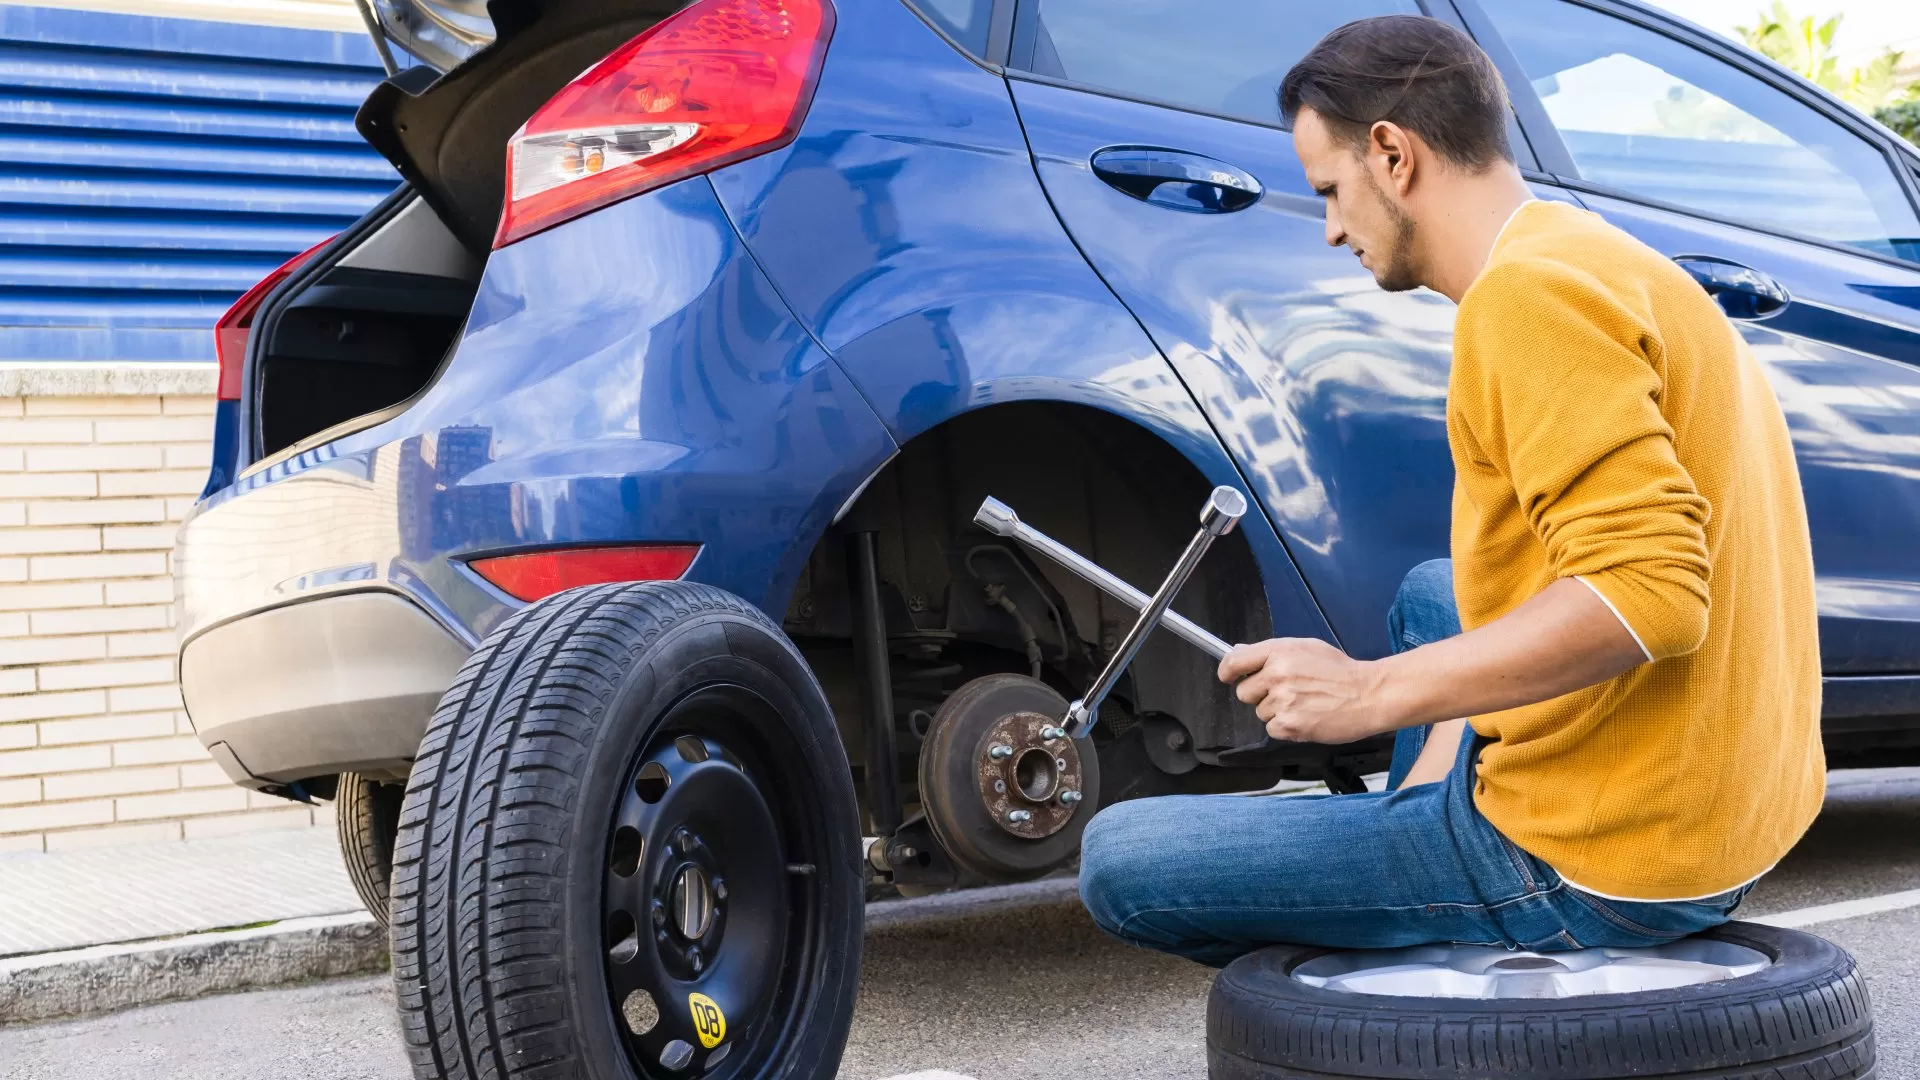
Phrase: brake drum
(1005, 792)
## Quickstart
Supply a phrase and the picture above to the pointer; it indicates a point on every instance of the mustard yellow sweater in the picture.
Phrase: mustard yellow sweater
(1608, 424)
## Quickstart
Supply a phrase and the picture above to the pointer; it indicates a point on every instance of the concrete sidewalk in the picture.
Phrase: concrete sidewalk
(95, 930)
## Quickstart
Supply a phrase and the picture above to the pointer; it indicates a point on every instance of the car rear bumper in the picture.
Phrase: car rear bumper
(340, 683)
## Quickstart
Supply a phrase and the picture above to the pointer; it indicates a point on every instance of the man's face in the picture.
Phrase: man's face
(1360, 213)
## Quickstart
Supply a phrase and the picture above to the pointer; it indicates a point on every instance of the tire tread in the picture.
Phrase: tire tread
(477, 906)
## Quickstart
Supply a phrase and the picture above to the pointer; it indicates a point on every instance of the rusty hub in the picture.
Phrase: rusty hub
(1020, 769)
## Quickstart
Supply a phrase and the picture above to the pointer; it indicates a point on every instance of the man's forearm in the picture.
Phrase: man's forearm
(1563, 639)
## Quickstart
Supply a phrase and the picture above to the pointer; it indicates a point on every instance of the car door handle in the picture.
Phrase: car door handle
(1176, 179)
(1741, 291)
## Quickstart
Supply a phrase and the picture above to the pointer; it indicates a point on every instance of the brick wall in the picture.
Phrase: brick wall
(94, 746)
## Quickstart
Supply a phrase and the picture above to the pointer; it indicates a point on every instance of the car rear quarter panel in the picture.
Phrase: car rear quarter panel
(628, 376)
(907, 231)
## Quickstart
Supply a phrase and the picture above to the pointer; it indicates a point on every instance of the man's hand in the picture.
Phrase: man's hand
(1308, 691)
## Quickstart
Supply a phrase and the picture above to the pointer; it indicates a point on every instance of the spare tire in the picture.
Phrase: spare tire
(629, 849)
(1803, 1016)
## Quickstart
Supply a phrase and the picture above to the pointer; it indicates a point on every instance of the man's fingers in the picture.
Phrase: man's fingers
(1241, 661)
(1252, 689)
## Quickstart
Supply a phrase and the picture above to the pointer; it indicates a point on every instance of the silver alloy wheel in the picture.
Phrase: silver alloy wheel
(1479, 971)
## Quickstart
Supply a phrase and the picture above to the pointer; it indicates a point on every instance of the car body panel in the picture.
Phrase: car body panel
(629, 376)
(908, 233)
(1330, 392)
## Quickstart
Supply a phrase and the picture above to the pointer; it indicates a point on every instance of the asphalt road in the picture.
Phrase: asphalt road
(1000, 984)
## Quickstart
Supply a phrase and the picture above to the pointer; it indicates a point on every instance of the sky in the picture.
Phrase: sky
(1868, 24)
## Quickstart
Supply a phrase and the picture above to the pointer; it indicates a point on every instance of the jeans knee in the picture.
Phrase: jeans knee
(1424, 610)
(1115, 861)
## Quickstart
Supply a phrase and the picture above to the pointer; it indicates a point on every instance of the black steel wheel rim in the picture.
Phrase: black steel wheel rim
(709, 891)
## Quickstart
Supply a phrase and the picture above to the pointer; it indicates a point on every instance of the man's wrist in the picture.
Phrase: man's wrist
(1391, 691)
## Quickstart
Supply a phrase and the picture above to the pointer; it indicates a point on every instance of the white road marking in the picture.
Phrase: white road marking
(1845, 909)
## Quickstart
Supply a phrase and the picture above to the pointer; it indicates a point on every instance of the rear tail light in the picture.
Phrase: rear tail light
(231, 332)
(542, 573)
(720, 81)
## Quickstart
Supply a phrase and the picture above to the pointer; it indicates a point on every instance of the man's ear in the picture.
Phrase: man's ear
(1393, 147)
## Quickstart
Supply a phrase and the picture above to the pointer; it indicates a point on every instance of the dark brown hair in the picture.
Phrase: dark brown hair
(1414, 71)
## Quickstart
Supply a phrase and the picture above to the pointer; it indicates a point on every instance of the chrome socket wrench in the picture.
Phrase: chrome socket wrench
(1224, 507)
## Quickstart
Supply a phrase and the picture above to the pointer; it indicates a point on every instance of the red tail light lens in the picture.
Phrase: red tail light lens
(720, 81)
(542, 573)
(231, 332)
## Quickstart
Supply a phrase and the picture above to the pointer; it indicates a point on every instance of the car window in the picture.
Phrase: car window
(965, 21)
(1649, 115)
(1217, 56)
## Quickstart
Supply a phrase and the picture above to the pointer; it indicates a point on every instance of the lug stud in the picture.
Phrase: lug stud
(1019, 817)
(1069, 797)
(1050, 733)
(1000, 751)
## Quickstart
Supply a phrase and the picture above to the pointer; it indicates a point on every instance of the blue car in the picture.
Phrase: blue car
(594, 519)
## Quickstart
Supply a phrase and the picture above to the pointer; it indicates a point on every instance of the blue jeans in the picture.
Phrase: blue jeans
(1211, 877)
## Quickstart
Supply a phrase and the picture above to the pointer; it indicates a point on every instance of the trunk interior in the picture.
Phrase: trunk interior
(357, 333)
(363, 333)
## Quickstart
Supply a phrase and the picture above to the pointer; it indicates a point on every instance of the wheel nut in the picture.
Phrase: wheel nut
(659, 913)
(719, 888)
(699, 962)
(1000, 752)
(1019, 817)
(1050, 733)
(1069, 797)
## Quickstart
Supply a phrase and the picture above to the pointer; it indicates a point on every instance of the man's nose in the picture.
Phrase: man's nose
(1336, 232)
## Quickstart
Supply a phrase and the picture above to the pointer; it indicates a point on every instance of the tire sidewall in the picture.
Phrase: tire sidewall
(1258, 988)
(699, 650)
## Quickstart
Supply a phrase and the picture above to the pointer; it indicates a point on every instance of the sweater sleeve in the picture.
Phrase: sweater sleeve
(1560, 386)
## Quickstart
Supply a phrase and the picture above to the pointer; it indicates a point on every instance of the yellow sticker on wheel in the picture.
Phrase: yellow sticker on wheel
(708, 1020)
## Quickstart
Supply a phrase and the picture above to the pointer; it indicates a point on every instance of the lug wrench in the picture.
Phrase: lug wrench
(1223, 509)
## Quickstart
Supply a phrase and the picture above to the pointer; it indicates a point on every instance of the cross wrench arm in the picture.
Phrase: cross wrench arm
(1224, 507)
(999, 519)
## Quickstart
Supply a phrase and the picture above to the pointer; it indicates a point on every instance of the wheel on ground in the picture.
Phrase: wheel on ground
(1739, 1002)
(629, 849)
(366, 817)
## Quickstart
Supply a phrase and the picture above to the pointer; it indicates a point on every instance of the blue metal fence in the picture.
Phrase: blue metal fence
(151, 169)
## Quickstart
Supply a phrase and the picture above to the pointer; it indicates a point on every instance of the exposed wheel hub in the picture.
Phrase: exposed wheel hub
(1029, 774)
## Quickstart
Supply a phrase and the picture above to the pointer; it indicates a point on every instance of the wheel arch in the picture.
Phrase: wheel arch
(1117, 475)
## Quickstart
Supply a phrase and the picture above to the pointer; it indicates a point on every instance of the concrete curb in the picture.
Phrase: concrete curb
(27, 378)
(104, 978)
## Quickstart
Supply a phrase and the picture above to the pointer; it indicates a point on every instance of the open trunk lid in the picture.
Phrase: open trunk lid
(447, 133)
(442, 34)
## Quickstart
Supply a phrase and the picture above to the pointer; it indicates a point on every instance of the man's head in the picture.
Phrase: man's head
(1393, 118)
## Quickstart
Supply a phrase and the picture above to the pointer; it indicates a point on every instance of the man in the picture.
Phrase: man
(1639, 673)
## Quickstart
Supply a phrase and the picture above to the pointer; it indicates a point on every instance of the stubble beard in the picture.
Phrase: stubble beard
(1396, 272)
